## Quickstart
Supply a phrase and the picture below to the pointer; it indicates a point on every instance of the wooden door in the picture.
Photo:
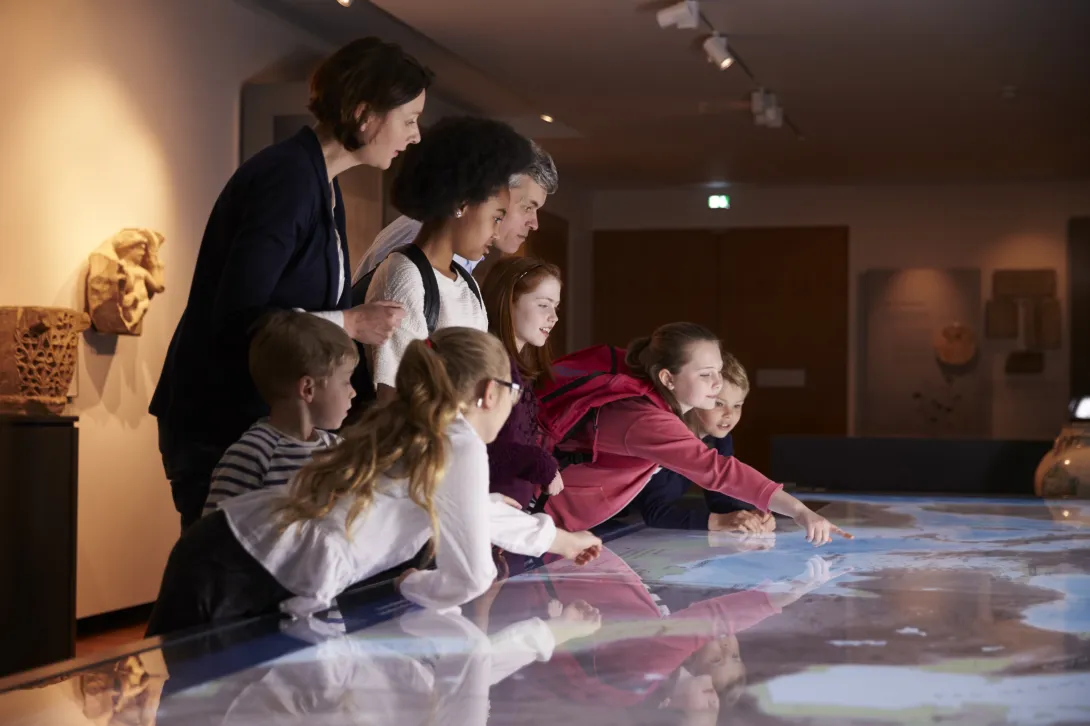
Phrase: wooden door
(777, 297)
(645, 278)
(783, 311)
(1078, 264)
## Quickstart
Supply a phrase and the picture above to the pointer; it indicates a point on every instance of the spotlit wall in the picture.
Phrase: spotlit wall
(119, 113)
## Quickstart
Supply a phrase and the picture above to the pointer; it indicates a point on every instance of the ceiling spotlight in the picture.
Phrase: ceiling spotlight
(766, 109)
(771, 117)
(718, 55)
(685, 15)
(345, 3)
(546, 118)
(759, 100)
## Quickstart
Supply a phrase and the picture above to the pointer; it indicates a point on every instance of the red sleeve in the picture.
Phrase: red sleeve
(734, 612)
(666, 652)
(640, 429)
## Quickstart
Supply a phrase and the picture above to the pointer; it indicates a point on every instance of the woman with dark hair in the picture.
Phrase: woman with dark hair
(522, 295)
(276, 240)
(456, 183)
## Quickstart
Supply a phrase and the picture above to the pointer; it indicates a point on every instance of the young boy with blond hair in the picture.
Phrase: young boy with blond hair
(659, 503)
(302, 366)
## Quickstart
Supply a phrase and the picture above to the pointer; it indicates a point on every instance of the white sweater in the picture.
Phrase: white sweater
(422, 668)
(317, 559)
(398, 279)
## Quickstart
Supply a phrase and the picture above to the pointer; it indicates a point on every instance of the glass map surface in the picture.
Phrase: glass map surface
(952, 611)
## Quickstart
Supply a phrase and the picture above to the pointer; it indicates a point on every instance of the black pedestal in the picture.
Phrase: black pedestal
(39, 457)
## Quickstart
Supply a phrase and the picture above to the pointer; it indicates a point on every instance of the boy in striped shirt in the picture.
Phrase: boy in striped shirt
(302, 367)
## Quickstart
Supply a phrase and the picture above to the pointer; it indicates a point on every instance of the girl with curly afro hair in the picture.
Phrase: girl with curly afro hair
(456, 183)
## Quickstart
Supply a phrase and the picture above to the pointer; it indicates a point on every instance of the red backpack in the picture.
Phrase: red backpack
(582, 383)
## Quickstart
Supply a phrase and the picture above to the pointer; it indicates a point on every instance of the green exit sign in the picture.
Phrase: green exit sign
(718, 201)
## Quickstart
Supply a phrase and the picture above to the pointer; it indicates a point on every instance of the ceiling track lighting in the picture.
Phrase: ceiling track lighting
(718, 55)
(345, 3)
(684, 15)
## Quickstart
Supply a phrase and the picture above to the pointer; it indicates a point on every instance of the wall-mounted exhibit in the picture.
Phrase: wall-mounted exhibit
(38, 348)
(123, 274)
(1024, 308)
(919, 357)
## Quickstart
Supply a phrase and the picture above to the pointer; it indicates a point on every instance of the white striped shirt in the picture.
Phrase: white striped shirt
(265, 456)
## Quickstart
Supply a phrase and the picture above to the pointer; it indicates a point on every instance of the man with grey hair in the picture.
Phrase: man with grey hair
(528, 192)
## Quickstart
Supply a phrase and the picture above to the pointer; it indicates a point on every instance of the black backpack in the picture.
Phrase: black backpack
(362, 380)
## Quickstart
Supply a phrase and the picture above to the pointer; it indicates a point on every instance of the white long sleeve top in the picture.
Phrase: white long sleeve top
(318, 559)
(424, 668)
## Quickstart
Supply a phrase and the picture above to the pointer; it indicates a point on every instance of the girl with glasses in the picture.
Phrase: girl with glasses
(410, 471)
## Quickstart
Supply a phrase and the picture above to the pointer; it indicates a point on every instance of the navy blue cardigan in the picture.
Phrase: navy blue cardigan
(270, 243)
(659, 502)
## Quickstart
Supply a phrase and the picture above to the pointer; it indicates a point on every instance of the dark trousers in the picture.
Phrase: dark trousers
(720, 503)
(210, 578)
(188, 464)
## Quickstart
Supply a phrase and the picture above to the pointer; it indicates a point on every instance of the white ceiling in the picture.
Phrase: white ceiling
(879, 90)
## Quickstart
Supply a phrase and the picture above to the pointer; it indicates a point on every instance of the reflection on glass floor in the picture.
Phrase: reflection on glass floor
(951, 611)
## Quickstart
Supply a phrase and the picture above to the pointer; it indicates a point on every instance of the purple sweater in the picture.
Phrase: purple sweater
(517, 463)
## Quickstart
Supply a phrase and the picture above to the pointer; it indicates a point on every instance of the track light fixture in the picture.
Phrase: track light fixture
(766, 109)
(718, 55)
(685, 15)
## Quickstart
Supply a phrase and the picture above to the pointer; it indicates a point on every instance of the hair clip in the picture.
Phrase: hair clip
(428, 342)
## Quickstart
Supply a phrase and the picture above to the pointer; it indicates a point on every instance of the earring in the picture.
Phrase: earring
(480, 403)
(458, 214)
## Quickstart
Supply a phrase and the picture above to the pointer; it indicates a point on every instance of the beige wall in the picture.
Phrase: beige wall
(119, 113)
(984, 226)
(573, 203)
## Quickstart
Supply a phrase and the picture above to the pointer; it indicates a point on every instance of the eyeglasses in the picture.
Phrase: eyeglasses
(516, 389)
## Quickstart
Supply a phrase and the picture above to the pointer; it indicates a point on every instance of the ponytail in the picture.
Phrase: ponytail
(634, 357)
(434, 380)
(667, 349)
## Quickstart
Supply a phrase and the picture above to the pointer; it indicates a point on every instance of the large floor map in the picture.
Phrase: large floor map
(951, 611)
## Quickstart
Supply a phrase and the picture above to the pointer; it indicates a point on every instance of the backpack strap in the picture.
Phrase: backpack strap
(468, 277)
(431, 285)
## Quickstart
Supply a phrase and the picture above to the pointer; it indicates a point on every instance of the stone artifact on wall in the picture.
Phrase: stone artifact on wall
(38, 348)
(920, 371)
(1024, 306)
(1002, 319)
(123, 274)
(955, 345)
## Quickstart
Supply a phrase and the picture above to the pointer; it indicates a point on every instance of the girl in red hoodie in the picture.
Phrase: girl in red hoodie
(632, 438)
(521, 296)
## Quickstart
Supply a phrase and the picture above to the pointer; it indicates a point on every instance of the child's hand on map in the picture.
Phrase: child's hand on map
(577, 619)
(743, 522)
(818, 529)
(817, 573)
(580, 547)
